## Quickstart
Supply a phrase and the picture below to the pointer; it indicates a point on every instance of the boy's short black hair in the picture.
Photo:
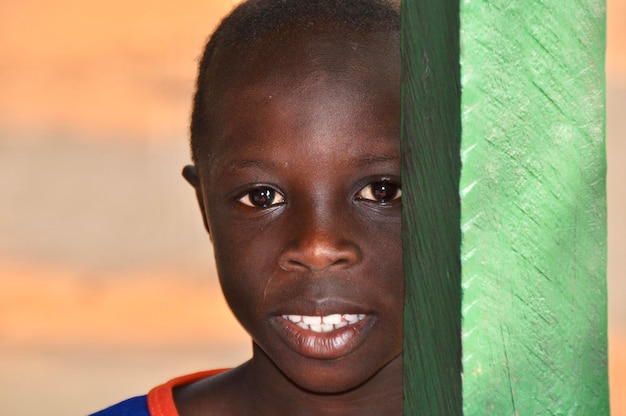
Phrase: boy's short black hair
(250, 22)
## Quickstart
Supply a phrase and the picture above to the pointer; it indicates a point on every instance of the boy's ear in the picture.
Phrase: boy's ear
(191, 176)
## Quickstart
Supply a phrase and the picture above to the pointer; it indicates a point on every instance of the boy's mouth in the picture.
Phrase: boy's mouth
(324, 337)
(327, 323)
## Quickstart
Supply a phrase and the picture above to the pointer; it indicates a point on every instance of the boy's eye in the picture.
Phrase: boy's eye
(263, 197)
(381, 192)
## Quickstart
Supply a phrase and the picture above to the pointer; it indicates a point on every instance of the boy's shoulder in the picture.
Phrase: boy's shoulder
(158, 402)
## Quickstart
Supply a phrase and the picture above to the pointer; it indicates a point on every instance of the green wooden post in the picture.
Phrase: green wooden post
(431, 142)
(533, 207)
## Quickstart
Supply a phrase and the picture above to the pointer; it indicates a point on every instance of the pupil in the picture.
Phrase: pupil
(263, 197)
(384, 191)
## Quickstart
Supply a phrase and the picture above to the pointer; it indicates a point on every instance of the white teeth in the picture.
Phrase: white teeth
(332, 319)
(351, 318)
(293, 318)
(312, 320)
(327, 327)
(316, 327)
(321, 324)
(340, 325)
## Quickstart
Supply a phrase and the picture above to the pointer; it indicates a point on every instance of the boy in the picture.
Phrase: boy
(295, 142)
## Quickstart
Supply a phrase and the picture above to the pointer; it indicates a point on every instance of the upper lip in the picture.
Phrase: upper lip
(320, 307)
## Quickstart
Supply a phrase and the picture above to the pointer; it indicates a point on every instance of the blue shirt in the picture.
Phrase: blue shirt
(137, 406)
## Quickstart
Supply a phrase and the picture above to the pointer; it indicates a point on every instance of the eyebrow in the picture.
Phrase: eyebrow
(374, 160)
(240, 164)
(367, 160)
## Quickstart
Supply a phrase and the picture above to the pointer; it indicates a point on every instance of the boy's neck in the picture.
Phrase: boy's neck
(269, 392)
(259, 388)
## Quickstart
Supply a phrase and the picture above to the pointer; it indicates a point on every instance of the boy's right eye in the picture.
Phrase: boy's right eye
(262, 197)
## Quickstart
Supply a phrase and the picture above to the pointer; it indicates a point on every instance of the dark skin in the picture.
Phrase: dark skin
(301, 198)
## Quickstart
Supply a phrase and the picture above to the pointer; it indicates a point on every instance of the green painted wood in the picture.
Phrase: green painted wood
(533, 208)
(431, 128)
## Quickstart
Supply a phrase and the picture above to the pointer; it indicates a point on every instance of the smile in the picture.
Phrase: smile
(327, 323)
(324, 337)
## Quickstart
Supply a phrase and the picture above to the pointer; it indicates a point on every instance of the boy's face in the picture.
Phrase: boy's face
(302, 200)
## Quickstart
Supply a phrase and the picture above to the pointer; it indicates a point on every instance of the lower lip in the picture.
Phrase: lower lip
(326, 345)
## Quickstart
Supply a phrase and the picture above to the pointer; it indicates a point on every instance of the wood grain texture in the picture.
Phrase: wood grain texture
(533, 207)
(431, 140)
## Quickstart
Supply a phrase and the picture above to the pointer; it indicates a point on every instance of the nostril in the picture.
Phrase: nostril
(291, 264)
(341, 262)
(318, 257)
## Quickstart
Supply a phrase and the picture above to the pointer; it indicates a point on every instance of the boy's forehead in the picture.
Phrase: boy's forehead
(326, 69)
(294, 54)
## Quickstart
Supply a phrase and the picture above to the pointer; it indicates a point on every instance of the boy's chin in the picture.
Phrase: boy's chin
(335, 377)
(329, 384)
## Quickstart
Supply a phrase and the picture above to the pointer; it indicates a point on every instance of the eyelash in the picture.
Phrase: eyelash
(264, 197)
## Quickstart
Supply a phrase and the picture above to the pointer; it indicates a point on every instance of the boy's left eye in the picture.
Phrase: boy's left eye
(262, 197)
(381, 192)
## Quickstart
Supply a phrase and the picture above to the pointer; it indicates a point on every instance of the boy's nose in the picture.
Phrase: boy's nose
(319, 250)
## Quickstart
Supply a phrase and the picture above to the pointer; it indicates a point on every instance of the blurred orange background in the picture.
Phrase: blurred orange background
(106, 280)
